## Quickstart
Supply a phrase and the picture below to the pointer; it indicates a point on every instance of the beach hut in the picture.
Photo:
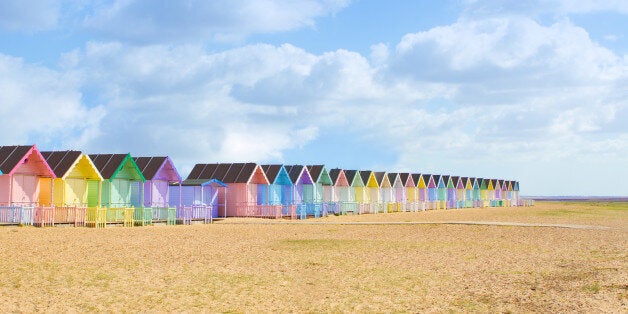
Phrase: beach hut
(247, 187)
(441, 186)
(159, 173)
(450, 182)
(460, 191)
(504, 193)
(303, 191)
(408, 202)
(432, 190)
(399, 191)
(371, 192)
(358, 191)
(477, 192)
(386, 192)
(322, 189)
(122, 190)
(25, 186)
(510, 194)
(497, 200)
(343, 192)
(421, 181)
(77, 185)
(197, 198)
(412, 193)
(484, 197)
(280, 190)
(491, 191)
(468, 191)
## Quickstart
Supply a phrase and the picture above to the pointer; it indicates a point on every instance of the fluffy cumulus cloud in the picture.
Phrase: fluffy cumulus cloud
(180, 101)
(29, 15)
(180, 21)
(522, 85)
(55, 115)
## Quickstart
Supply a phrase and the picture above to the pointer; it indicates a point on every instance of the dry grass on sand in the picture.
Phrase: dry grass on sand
(328, 268)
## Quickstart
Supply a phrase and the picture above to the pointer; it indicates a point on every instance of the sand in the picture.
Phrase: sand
(232, 267)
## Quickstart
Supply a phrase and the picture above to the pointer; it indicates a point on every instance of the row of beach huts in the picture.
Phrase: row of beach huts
(47, 188)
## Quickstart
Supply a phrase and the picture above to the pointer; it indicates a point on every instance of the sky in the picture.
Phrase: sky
(534, 91)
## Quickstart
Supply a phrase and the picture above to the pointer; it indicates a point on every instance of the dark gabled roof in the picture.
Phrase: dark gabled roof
(416, 177)
(392, 176)
(149, 165)
(446, 179)
(224, 172)
(208, 171)
(455, 179)
(271, 172)
(426, 178)
(295, 172)
(61, 161)
(220, 172)
(10, 156)
(246, 173)
(233, 173)
(465, 180)
(315, 171)
(350, 174)
(364, 175)
(436, 178)
(493, 182)
(196, 171)
(404, 177)
(107, 164)
(379, 177)
(334, 174)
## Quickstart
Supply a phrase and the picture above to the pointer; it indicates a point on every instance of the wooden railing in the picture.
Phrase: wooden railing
(165, 214)
(17, 215)
(187, 214)
(96, 217)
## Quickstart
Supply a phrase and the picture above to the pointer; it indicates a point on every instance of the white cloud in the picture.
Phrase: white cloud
(201, 21)
(519, 91)
(29, 15)
(43, 106)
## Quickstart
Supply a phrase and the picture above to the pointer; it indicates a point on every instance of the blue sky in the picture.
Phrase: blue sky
(533, 91)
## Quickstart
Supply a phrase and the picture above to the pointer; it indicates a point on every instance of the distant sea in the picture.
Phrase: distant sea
(579, 198)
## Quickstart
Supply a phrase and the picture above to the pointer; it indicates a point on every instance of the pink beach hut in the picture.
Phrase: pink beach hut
(343, 192)
(412, 193)
(25, 186)
(504, 193)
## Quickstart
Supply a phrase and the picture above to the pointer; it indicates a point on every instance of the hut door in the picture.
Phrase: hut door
(159, 193)
(24, 188)
(75, 192)
(120, 193)
(92, 193)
